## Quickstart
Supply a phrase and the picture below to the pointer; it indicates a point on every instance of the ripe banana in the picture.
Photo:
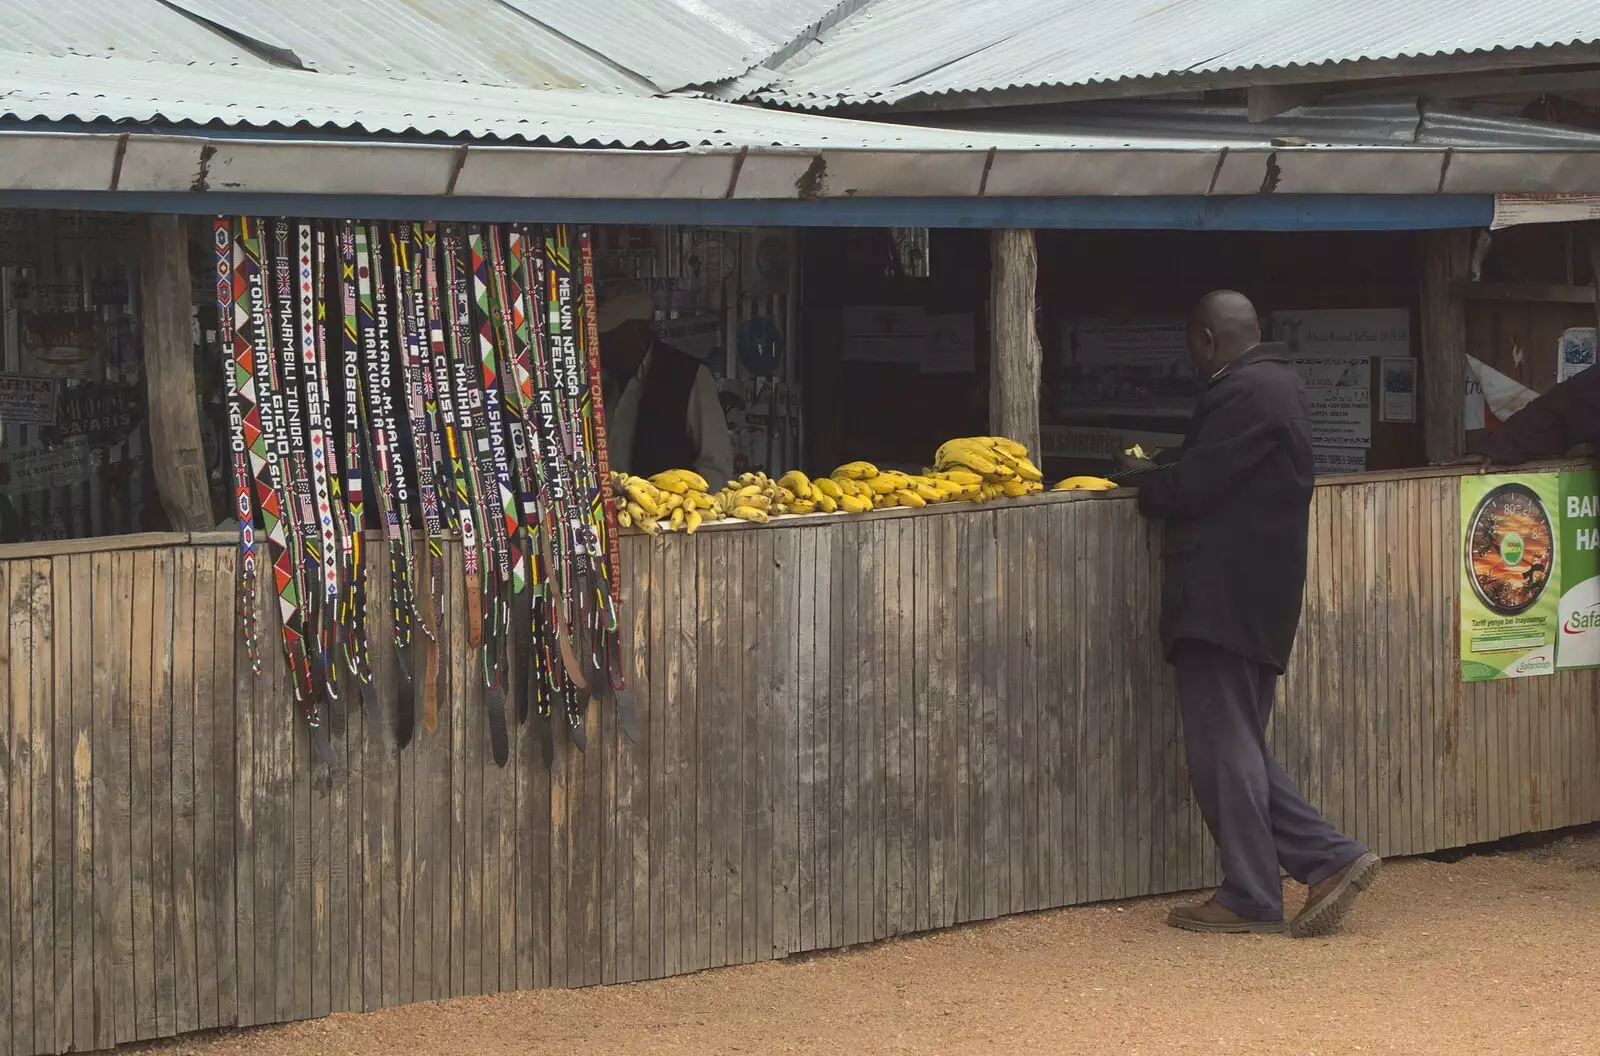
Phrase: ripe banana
(829, 487)
(692, 522)
(1085, 484)
(854, 504)
(856, 471)
(910, 498)
(797, 483)
(750, 513)
(827, 503)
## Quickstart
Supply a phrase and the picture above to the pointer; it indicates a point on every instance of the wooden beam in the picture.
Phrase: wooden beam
(1591, 238)
(1532, 292)
(177, 455)
(1447, 257)
(1015, 358)
(1265, 102)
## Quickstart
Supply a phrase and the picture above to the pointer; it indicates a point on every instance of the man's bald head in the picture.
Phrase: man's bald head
(1223, 326)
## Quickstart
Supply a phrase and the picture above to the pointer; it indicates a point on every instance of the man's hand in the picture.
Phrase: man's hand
(1479, 462)
(1126, 462)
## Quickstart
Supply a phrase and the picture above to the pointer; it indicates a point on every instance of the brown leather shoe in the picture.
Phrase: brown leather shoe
(1211, 916)
(1329, 901)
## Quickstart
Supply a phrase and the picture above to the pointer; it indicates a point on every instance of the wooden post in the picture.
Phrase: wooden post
(175, 449)
(1015, 359)
(1446, 258)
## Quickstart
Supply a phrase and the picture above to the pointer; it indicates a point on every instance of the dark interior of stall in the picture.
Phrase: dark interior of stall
(880, 385)
(882, 334)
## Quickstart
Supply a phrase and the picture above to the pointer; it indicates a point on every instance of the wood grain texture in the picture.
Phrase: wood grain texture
(852, 730)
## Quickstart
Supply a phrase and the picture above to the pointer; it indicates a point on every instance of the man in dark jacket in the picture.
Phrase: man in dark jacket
(1236, 505)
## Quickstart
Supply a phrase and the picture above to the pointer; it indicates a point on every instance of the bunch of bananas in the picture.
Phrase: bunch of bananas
(676, 500)
(753, 497)
(1000, 464)
(861, 486)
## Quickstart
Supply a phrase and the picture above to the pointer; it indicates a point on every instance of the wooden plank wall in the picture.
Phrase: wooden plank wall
(854, 729)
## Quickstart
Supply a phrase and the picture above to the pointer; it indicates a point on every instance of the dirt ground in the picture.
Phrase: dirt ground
(1487, 955)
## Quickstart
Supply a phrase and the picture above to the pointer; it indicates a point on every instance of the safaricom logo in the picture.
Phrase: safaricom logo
(1578, 622)
(1534, 665)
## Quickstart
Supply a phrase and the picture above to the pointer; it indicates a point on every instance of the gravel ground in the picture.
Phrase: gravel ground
(1491, 954)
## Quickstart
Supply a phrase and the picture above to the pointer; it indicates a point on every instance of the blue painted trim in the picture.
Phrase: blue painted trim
(1311, 212)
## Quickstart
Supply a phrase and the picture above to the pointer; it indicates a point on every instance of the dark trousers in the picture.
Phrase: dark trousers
(1259, 819)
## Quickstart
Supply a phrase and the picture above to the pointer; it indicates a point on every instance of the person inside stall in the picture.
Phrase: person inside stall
(662, 410)
(1561, 422)
(1236, 505)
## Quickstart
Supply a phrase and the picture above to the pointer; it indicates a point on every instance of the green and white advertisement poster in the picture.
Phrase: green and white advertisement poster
(1510, 592)
(1579, 557)
(1530, 574)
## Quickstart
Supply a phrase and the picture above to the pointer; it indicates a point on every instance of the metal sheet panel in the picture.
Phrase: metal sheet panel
(1531, 172)
(519, 172)
(57, 162)
(189, 163)
(883, 174)
(1116, 172)
(894, 50)
(144, 30)
(480, 41)
(1339, 170)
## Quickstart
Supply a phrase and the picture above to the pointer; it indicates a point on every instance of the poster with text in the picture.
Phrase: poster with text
(1510, 586)
(1578, 555)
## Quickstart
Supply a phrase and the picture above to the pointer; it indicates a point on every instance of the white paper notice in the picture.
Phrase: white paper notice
(951, 348)
(1399, 380)
(1328, 461)
(1071, 441)
(1339, 389)
(1472, 409)
(1140, 366)
(1333, 349)
(1513, 209)
(1576, 353)
(885, 334)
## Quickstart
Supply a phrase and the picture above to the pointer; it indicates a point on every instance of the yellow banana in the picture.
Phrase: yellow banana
(691, 523)
(1026, 469)
(1085, 484)
(796, 482)
(829, 487)
(1008, 445)
(854, 504)
(649, 525)
(669, 483)
(1014, 488)
(961, 476)
(883, 484)
(910, 498)
(624, 518)
(677, 519)
(750, 513)
(802, 506)
(645, 497)
(856, 471)
(827, 503)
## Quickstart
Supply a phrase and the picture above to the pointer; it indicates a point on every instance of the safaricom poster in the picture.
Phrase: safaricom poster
(1509, 592)
(1578, 644)
(1530, 592)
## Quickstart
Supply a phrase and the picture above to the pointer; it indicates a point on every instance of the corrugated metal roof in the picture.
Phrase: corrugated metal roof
(83, 89)
(129, 29)
(891, 51)
(483, 41)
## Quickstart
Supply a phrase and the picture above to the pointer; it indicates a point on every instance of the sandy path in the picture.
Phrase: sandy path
(1489, 955)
